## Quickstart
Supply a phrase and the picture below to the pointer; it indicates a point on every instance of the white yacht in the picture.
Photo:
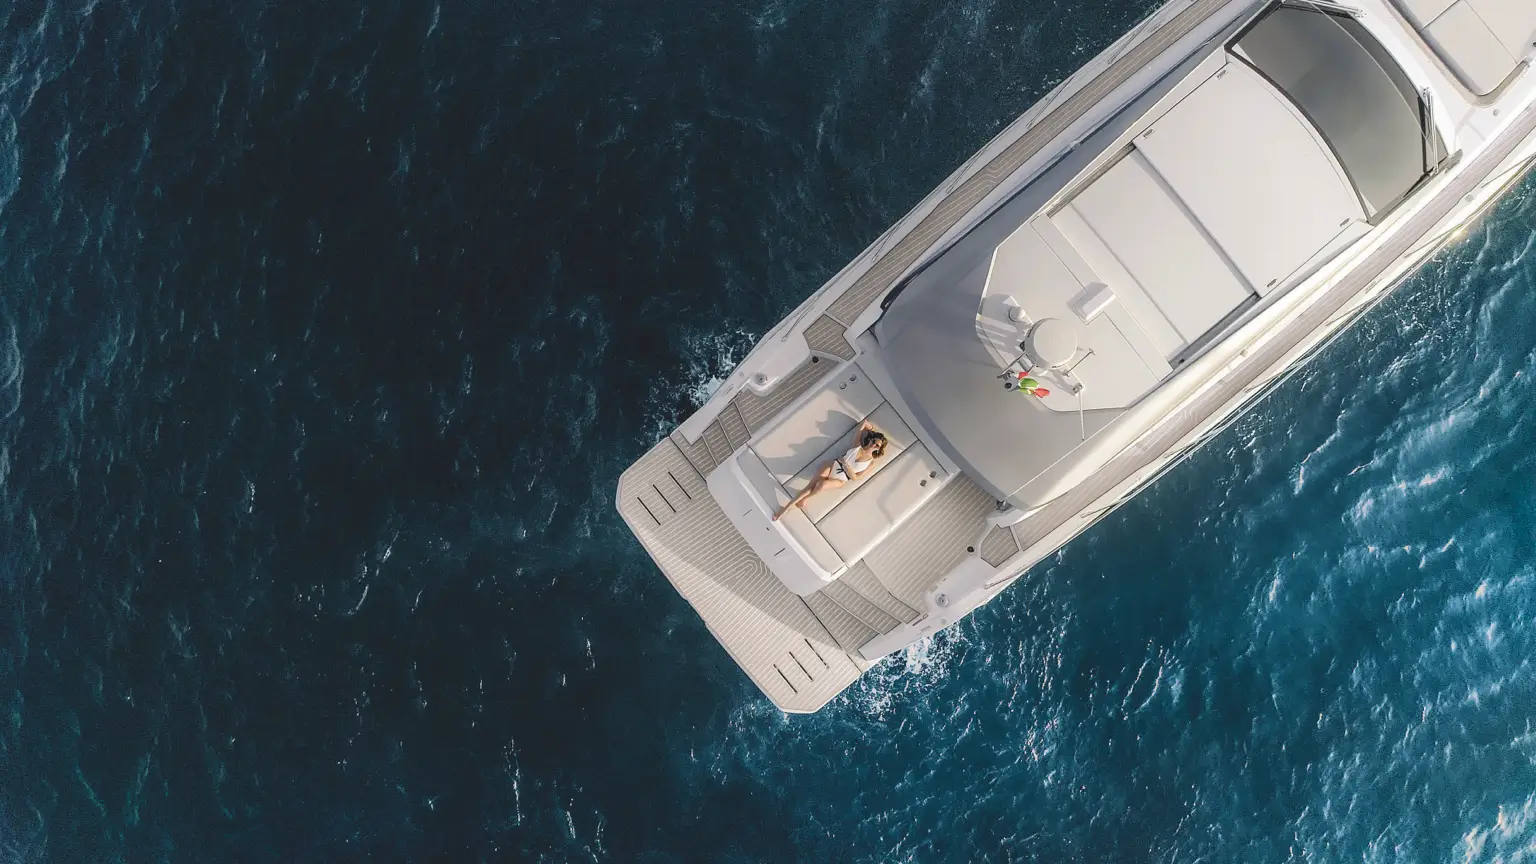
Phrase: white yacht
(1153, 245)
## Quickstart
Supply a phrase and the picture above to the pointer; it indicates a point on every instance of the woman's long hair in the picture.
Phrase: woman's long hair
(875, 441)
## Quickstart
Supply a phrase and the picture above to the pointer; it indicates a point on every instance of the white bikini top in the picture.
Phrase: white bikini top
(850, 461)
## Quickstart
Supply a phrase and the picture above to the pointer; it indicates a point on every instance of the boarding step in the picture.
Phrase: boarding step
(863, 580)
(850, 633)
(696, 453)
(859, 607)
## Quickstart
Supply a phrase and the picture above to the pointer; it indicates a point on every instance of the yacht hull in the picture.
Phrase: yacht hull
(957, 550)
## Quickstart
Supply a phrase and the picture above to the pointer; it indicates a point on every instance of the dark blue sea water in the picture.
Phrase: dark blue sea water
(326, 330)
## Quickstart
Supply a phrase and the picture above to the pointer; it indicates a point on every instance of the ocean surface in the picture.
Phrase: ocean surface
(326, 330)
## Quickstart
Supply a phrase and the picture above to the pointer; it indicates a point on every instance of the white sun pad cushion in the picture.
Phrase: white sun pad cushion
(1471, 47)
(826, 418)
(898, 437)
(871, 512)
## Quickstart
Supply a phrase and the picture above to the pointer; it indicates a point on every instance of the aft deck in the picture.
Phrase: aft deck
(801, 651)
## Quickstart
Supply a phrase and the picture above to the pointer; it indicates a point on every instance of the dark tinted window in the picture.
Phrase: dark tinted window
(1356, 96)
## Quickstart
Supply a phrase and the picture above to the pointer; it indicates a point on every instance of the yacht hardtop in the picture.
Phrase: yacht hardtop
(1129, 264)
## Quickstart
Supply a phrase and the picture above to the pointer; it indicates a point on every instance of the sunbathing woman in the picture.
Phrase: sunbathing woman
(868, 445)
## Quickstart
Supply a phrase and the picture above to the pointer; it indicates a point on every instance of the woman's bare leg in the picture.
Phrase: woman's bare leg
(824, 480)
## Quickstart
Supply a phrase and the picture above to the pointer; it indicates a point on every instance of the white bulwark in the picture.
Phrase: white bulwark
(1084, 302)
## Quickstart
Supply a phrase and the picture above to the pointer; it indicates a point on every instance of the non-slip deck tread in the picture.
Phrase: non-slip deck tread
(872, 616)
(696, 453)
(850, 632)
(719, 446)
(932, 542)
(735, 431)
(863, 580)
(828, 336)
(998, 546)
